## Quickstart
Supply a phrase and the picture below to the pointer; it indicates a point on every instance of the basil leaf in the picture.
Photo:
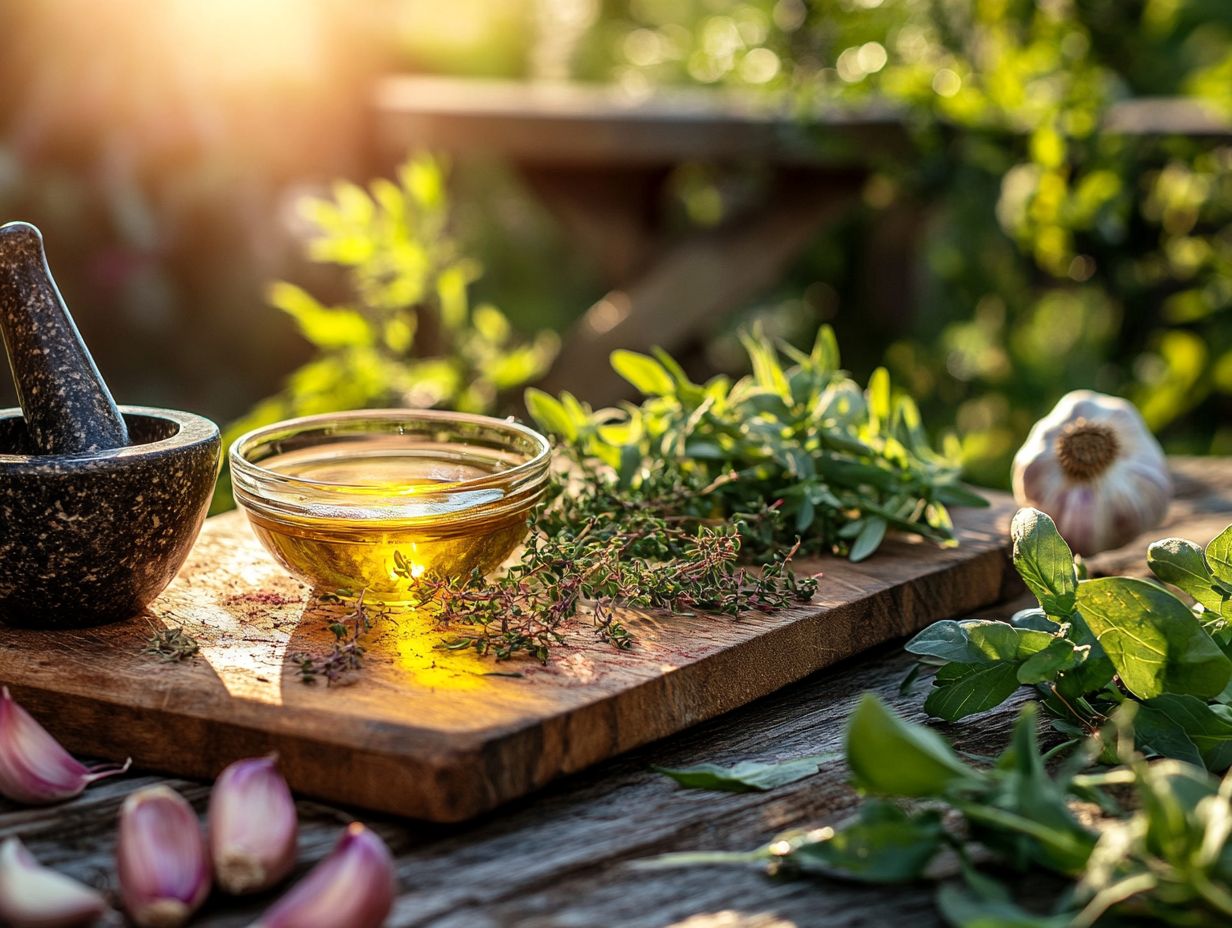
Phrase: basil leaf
(1208, 731)
(869, 539)
(1152, 638)
(747, 776)
(960, 690)
(1044, 561)
(975, 641)
(963, 909)
(1156, 732)
(1218, 556)
(890, 757)
(1034, 619)
(883, 844)
(1090, 676)
(1043, 665)
(1181, 563)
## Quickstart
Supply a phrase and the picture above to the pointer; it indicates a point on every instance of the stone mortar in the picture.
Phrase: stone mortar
(92, 538)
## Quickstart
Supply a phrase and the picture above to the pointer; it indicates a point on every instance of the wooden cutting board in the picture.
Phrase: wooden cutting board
(445, 735)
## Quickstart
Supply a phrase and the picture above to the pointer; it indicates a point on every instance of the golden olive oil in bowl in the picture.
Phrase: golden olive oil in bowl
(373, 500)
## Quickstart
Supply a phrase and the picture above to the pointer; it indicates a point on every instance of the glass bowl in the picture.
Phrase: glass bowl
(372, 500)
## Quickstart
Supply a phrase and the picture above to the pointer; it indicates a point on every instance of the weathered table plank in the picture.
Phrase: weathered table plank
(561, 859)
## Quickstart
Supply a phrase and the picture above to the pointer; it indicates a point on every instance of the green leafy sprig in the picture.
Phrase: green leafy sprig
(843, 465)
(1094, 644)
(1162, 857)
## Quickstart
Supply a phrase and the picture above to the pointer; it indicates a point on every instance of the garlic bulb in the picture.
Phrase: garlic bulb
(1093, 466)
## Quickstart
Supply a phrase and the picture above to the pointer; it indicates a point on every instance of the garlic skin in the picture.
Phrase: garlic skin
(34, 768)
(161, 858)
(1096, 469)
(253, 826)
(353, 886)
(33, 896)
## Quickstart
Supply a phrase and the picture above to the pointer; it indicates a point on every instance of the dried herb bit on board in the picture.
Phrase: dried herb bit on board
(172, 644)
(346, 657)
(596, 548)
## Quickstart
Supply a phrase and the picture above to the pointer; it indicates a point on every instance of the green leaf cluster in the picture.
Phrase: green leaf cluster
(842, 465)
(407, 335)
(1157, 851)
(1094, 644)
(1048, 229)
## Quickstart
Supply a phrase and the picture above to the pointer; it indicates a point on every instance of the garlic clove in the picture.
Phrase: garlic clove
(33, 896)
(252, 825)
(162, 862)
(34, 768)
(353, 886)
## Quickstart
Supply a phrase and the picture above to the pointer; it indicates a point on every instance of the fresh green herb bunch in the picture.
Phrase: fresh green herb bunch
(1095, 644)
(842, 464)
(1165, 857)
(407, 334)
(599, 546)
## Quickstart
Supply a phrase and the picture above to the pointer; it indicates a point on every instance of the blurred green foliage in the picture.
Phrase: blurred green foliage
(407, 336)
(1055, 251)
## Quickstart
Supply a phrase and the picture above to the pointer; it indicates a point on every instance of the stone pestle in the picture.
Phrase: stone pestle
(99, 506)
(67, 406)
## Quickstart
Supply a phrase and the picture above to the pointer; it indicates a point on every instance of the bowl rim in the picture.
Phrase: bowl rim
(246, 469)
(192, 430)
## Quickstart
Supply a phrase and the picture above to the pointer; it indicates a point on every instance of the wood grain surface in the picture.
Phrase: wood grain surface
(445, 735)
(563, 857)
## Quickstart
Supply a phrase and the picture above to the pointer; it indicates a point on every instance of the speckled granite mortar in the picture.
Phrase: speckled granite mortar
(99, 505)
(92, 538)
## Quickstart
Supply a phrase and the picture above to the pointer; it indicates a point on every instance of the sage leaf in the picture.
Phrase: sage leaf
(869, 539)
(883, 844)
(1218, 556)
(975, 641)
(955, 494)
(747, 776)
(1044, 561)
(960, 690)
(644, 372)
(1154, 641)
(1182, 563)
(890, 757)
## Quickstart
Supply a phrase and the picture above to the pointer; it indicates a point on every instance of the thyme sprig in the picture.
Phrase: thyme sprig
(346, 657)
(172, 644)
(599, 548)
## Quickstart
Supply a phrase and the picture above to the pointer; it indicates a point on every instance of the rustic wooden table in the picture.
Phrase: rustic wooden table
(561, 858)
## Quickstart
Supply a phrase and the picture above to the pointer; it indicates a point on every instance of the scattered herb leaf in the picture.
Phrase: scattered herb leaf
(747, 775)
(172, 644)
